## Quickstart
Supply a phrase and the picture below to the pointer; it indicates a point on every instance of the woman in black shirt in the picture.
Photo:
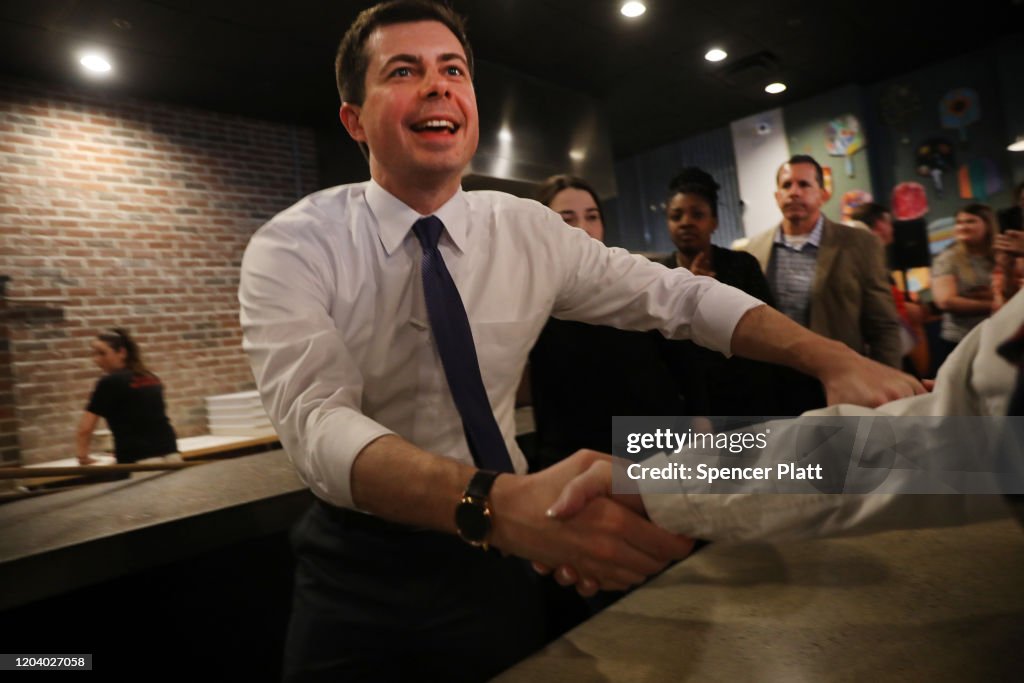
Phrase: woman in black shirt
(713, 385)
(131, 399)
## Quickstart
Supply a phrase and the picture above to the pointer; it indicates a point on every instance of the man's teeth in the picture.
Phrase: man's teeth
(438, 124)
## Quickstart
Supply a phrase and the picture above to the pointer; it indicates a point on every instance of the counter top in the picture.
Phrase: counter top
(927, 605)
(55, 543)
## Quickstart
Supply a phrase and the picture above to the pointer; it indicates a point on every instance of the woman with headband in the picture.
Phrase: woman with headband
(712, 384)
(131, 399)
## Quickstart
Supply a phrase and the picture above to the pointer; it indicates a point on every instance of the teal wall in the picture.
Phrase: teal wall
(996, 73)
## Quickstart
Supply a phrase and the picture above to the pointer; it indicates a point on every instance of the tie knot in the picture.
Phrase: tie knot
(428, 231)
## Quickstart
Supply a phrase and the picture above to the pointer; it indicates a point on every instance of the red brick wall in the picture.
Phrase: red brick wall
(135, 214)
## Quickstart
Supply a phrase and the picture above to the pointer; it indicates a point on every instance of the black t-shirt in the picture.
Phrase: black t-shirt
(133, 406)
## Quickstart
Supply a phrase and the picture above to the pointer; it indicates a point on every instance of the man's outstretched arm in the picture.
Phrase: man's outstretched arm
(764, 334)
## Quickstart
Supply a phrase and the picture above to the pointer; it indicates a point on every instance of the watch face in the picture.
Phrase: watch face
(473, 522)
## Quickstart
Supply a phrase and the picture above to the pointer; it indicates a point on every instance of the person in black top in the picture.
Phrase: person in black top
(1011, 217)
(131, 399)
(713, 385)
(582, 375)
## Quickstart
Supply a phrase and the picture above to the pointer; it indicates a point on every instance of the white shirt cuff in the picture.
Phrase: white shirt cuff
(719, 310)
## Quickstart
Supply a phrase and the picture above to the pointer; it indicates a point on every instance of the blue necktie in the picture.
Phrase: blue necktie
(450, 327)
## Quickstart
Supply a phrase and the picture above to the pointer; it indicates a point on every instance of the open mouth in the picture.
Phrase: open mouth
(436, 126)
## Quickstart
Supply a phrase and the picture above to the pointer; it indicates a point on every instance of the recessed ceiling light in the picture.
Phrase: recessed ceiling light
(632, 9)
(775, 88)
(505, 135)
(577, 154)
(716, 55)
(1018, 145)
(95, 63)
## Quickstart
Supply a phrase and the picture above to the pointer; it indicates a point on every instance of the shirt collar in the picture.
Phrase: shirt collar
(395, 219)
(814, 239)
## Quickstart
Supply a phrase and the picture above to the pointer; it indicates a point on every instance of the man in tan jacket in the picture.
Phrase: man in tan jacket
(824, 275)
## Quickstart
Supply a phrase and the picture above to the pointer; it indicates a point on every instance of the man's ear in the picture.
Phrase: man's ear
(349, 115)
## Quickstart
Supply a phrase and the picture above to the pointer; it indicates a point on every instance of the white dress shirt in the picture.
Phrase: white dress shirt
(337, 333)
(974, 380)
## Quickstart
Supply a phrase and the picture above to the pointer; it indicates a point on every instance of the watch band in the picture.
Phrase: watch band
(480, 485)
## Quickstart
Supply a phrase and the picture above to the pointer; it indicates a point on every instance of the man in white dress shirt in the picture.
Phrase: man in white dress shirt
(340, 342)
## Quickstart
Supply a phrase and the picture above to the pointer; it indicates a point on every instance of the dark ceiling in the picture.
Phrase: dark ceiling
(274, 59)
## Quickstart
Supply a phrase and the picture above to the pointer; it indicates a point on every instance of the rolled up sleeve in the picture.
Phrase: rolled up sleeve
(310, 385)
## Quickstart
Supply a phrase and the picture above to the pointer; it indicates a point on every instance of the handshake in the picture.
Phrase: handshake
(567, 520)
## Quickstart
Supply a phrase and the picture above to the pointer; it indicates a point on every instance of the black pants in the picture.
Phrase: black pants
(376, 601)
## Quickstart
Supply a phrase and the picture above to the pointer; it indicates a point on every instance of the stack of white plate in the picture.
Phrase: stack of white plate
(238, 414)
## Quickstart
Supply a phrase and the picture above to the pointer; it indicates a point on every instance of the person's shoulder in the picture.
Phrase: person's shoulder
(847, 231)
(520, 221)
(319, 210)
(764, 236)
(853, 237)
(945, 256)
(505, 203)
(117, 378)
(144, 380)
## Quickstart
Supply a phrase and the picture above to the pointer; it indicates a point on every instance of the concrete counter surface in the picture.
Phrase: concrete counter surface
(935, 605)
(56, 543)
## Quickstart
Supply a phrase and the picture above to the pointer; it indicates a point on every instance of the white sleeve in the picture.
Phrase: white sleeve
(773, 517)
(972, 381)
(637, 294)
(310, 385)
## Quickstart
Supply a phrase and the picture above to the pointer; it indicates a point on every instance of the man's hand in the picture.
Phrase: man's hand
(609, 542)
(594, 482)
(861, 381)
(765, 334)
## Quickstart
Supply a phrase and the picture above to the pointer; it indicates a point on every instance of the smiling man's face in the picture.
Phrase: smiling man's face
(418, 116)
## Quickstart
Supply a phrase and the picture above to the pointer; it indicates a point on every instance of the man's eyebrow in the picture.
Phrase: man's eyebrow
(452, 56)
(401, 58)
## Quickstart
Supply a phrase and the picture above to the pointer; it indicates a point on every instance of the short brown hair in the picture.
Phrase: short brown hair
(819, 174)
(352, 61)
